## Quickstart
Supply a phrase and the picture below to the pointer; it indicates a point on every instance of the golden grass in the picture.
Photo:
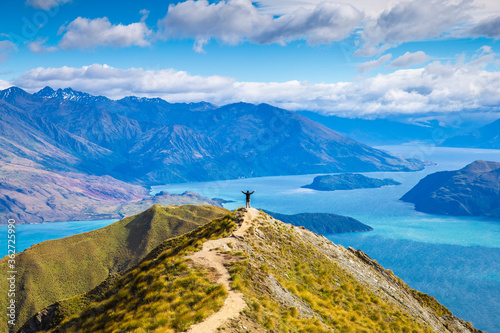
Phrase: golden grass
(161, 293)
(337, 299)
(54, 270)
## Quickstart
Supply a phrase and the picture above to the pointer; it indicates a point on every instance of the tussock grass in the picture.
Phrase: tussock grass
(54, 270)
(336, 298)
(161, 291)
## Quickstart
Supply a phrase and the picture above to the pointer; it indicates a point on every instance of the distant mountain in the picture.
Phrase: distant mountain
(347, 181)
(384, 131)
(151, 141)
(471, 191)
(29, 193)
(72, 95)
(247, 272)
(322, 223)
(487, 137)
(66, 267)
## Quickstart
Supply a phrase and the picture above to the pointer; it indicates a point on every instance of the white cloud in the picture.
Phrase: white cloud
(144, 14)
(117, 83)
(489, 27)
(371, 65)
(38, 46)
(83, 33)
(411, 21)
(46, 4)
(485, 49)
(6, 49)
(5, 84)
(409, 59)
(436, 87)
(237, 20)
(280, 7)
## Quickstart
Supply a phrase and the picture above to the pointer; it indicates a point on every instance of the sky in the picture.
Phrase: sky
(358, 58)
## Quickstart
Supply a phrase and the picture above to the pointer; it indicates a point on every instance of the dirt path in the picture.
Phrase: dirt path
(211, 258)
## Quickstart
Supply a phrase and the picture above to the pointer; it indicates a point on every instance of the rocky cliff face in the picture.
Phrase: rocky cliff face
(471, 191)
(277, 277)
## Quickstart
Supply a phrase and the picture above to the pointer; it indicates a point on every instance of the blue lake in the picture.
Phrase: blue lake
(455, 259)
(30, 234)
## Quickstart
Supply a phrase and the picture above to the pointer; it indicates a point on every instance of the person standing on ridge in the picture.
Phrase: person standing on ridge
(247, 194)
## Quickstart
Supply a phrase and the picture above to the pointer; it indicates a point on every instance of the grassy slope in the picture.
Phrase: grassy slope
(152, 296)
(160, 294)
(339, 301)
(61, 268)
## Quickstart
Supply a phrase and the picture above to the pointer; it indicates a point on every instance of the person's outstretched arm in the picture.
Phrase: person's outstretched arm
(252, 192)
(242, 192)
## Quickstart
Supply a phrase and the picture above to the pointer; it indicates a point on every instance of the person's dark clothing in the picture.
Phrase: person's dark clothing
(247, 194)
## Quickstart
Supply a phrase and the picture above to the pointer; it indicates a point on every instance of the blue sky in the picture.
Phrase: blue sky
(355, 58)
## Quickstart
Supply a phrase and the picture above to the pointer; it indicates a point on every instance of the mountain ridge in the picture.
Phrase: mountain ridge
(486, 137)
(247, 136)
(62, 268)
(145, 142)
(289, 278)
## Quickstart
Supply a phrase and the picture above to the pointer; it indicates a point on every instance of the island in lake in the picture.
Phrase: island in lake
(471, 191)
(347, 181)
(323, 223)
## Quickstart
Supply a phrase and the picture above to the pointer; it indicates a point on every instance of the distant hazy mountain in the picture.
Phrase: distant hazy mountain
(151, 141)
(473, 190)
(383, 131)
(347, 181)
(487, 136)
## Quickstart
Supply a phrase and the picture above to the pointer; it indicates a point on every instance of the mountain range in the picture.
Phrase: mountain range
(390, 131)
(487, 136)
(151, 141)
(57, 145)
(242, 272)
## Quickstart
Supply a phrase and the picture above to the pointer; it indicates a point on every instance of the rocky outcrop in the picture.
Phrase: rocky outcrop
(471, 191)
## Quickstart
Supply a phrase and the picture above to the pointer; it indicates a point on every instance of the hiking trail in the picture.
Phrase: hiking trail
(214, 259)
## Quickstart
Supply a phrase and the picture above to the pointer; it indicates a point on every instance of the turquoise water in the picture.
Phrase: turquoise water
(455, 259)
(30, 234)
(380, 208)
